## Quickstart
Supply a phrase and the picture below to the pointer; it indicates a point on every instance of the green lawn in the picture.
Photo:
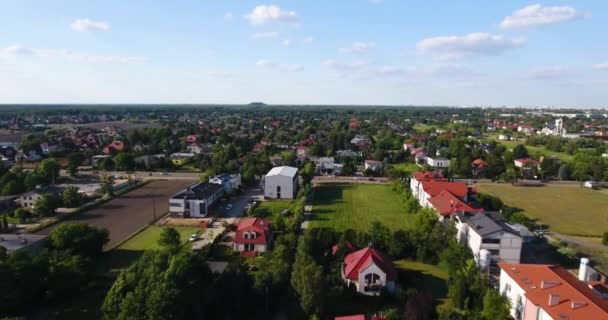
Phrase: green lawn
(271, 208)
(423, 276)
(406, 168)
(423, 127)
(356, 206)
(535, 150)
(128, 252)
(566, 209)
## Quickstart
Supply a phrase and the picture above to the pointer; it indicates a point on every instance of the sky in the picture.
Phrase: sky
(365, 52)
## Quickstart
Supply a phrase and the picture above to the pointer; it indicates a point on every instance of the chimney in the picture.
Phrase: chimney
(553, 299)
(583, 270)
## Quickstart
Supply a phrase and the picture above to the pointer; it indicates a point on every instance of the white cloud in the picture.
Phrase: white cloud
(228, 15)
(286, 42)
(451, 47)
(308, 39)
(263, 63)
(345, 66)
(550, 72)
(390, 71)
(601, 66)
(265, 35)
(270, 13)
(83, 25)
(358, 48)
(17, 50)
(537, 15)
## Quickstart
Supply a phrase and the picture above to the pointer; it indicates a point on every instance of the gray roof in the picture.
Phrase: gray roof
(283, 171)
(13, 242)
(486, 223)
(200, 190)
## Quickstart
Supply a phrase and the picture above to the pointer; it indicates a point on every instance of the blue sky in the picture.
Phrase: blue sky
(383, 52)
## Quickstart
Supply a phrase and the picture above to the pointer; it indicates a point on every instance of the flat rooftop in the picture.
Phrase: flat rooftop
(14, 242)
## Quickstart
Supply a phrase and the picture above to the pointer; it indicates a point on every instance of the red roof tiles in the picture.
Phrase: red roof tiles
(434, 188)
(359, 260)
(447, 204)
(260, 228)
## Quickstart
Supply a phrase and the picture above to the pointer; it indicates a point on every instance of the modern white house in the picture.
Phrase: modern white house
(438, 163)
(326, 166)
(369, 272)
(194, 201)
(545, 292)
(489, 231)
(373, 165)
(281, 183)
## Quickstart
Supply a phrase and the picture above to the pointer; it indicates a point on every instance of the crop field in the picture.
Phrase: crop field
(128, 213)
(357, 206)
(566, 209)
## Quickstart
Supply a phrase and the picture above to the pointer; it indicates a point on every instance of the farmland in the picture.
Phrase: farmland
(356, 206)
(128, 213)
(566, 209)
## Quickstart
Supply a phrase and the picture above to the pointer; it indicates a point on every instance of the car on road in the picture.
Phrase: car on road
(164, 173)
(193, 237)
(356, 178)
(228, 207)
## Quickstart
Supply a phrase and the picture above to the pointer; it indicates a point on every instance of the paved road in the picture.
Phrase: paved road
(147, 175)
(338, 179)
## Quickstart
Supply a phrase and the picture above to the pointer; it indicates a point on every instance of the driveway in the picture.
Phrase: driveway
(238, 203)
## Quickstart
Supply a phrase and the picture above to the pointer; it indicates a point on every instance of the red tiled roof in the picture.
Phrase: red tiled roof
(335, 247)
(260, 227)
(576, 299)
(425, 176)
(359, 260)
(447, 204)
(353, 317)
(527, 161)
(434, 188)
(303, 148)
(479, 163)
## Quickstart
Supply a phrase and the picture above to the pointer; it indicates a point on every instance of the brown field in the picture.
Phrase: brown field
(128, 213)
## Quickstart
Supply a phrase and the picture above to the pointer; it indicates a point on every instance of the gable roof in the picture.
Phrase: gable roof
(260, 227)
(359, 260)
(448, 204)
(539, 282)
(425, 176)
(353, 317)
(487, 223)
(434, 188)
(283, 171)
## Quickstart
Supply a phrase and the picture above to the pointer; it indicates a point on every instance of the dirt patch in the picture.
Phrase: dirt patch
(128, 213)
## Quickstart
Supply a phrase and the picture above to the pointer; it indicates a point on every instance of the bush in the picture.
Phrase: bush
(605, 238)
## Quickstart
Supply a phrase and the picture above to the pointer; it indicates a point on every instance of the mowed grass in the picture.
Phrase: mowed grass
(423, 276)
(535, 150)
(125, 254)
(356, 206)
(406, 168)
(272, 208)
(566, 209)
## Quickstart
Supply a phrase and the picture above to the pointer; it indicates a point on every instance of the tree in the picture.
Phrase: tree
(71, 197)
(46, 205)
(380, 235)
(467, 287)
(74, 160)
(22, 214)
(170, 240)
(495, 306)
(307, 279)
(605, 238)
(5, 226)
(49, 169)
(520, 151)
(107, 186)
(34, 179)
(125, 161)
(107, 164)
(563, 173)
(79, 238)
(419, 307)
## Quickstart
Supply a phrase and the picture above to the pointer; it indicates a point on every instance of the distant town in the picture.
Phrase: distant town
(303, 212)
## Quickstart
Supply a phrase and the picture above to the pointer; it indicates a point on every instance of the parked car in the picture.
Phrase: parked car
(193, 237)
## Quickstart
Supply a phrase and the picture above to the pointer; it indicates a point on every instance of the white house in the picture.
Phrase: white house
(360, 139)
(326, 166)
(369, 271)
(281, 183)
(545, 292)
(194, 201)
(373, 165)
(489, 231)
(28, 199)
(438, 163)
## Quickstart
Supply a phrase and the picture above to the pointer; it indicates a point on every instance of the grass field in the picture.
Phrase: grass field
(356, 206)
(125, 254)
(566, 209)
(423, 276)
(271, 208)
(535, 150)
(406, 167)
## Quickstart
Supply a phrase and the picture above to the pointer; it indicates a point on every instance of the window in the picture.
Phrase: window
(495, 252)
(187, 205)
(278, 188)
(175, 204)
(491, 241)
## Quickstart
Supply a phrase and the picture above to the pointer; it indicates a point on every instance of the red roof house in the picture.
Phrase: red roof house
(369, 271)
(447, 204)
(353, 317)
(479, 163)
(114, 146)
(525, 163)
(191, 138)
(253, 235)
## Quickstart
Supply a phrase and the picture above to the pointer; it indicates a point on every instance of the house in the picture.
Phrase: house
(438, 163)
(14, 242)
(418, 177)
(504, 137)
(302, 151)
(47, 148)
(326, 166)
(28, 199)
(253, 235)
(526, 129)
(408, 146)
(195, 200)
(114, 147)
(489, 231)
(31, 155)
(478, 167)
(373, 165)
(369, 271)
(538, 291)
(181, 158)
(432, 188)
(149, 161)
(526, 163)
(191, 138)
(230, 182)
(98, 159)
(447, 205)
(358, 139)
(281, 183)
(195, 148)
